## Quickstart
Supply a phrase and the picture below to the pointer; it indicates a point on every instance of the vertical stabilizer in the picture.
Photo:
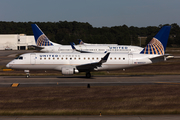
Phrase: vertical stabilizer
(40, 38)
(80, 42)
(158, 44)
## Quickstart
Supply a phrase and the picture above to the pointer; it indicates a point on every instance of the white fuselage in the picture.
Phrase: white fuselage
(57, 61)
(92, 48)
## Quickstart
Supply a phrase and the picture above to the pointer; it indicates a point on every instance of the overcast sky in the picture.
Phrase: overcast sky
(99, 13)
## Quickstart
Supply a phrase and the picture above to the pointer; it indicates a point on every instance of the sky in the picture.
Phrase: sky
(98, 13)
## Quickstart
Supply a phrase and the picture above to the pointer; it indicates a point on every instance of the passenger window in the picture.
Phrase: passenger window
(119, 58)
(53, 58)
(115, 58)
(58, 58)
(44, 58)
(75, 58)
(79, 58)
(49, 58)
(110, 58)
(40, 58)
(123, 58)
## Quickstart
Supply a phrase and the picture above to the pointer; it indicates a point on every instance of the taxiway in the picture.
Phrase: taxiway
(94, 81)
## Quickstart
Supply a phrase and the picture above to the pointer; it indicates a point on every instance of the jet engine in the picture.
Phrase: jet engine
(69, 71)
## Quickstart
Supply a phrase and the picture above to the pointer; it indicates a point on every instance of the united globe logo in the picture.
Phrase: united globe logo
(43, 41)
(154, 47)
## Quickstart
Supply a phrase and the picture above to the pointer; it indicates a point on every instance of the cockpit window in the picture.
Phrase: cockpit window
(19, 57)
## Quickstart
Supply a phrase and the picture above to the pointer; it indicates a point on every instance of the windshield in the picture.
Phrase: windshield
(19, 57)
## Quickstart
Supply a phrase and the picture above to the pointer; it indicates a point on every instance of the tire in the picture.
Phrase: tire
(27, 76)
(88, 75)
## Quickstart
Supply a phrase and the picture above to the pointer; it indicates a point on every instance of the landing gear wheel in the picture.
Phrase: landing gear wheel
(27, 76)
(27, 73)
(88, 75)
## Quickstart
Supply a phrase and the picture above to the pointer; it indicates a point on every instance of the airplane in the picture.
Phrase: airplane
(43, 44)
(83, 43)
(71, 63)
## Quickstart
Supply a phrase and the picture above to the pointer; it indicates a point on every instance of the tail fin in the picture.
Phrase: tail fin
(158, 44)
(40, 38)
(81, 42)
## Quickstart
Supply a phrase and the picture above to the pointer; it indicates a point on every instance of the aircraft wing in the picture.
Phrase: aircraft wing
(92, 66)
(81, 51)
(37, 47)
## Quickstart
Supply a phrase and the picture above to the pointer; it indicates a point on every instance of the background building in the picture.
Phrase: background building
(16, 41)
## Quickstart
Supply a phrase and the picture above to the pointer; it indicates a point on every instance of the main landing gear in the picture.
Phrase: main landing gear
(88, 75)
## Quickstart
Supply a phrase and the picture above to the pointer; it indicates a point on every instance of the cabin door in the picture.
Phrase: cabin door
(33, 59)
(130, 61)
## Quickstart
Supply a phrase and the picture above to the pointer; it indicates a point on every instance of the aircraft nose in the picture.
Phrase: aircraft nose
(7, 65)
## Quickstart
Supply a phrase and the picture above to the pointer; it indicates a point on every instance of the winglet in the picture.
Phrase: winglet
(78, 50)
(104, 59)
(158, 44)
(40, 38)
(73, 46)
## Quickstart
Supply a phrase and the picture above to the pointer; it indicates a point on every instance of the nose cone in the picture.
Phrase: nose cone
(7, 65)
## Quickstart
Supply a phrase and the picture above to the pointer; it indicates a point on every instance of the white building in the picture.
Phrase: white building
(16, 41)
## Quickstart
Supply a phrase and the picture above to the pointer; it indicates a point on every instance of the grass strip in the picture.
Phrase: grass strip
(111, 100)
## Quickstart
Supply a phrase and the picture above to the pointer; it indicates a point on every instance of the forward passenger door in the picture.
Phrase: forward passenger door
(33, 59)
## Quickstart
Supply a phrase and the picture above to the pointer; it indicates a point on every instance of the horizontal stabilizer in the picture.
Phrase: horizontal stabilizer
(161, 58)
(37, 47)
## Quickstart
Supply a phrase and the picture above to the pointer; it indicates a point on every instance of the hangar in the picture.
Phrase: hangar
(16, 41)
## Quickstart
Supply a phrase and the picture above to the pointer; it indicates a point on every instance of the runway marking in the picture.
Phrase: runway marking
(167, 83)
(15, 85)
(8, 70)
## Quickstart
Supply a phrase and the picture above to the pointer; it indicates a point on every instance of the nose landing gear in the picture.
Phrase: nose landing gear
(27, 73)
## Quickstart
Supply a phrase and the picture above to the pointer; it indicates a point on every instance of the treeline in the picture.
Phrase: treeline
(64, 32)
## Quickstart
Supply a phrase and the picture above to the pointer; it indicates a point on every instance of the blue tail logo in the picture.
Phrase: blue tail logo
(158, 44)
(43, 41)
(40, 38)
(81, 42)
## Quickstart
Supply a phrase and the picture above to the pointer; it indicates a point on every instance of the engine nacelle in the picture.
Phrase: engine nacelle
(69, 71)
